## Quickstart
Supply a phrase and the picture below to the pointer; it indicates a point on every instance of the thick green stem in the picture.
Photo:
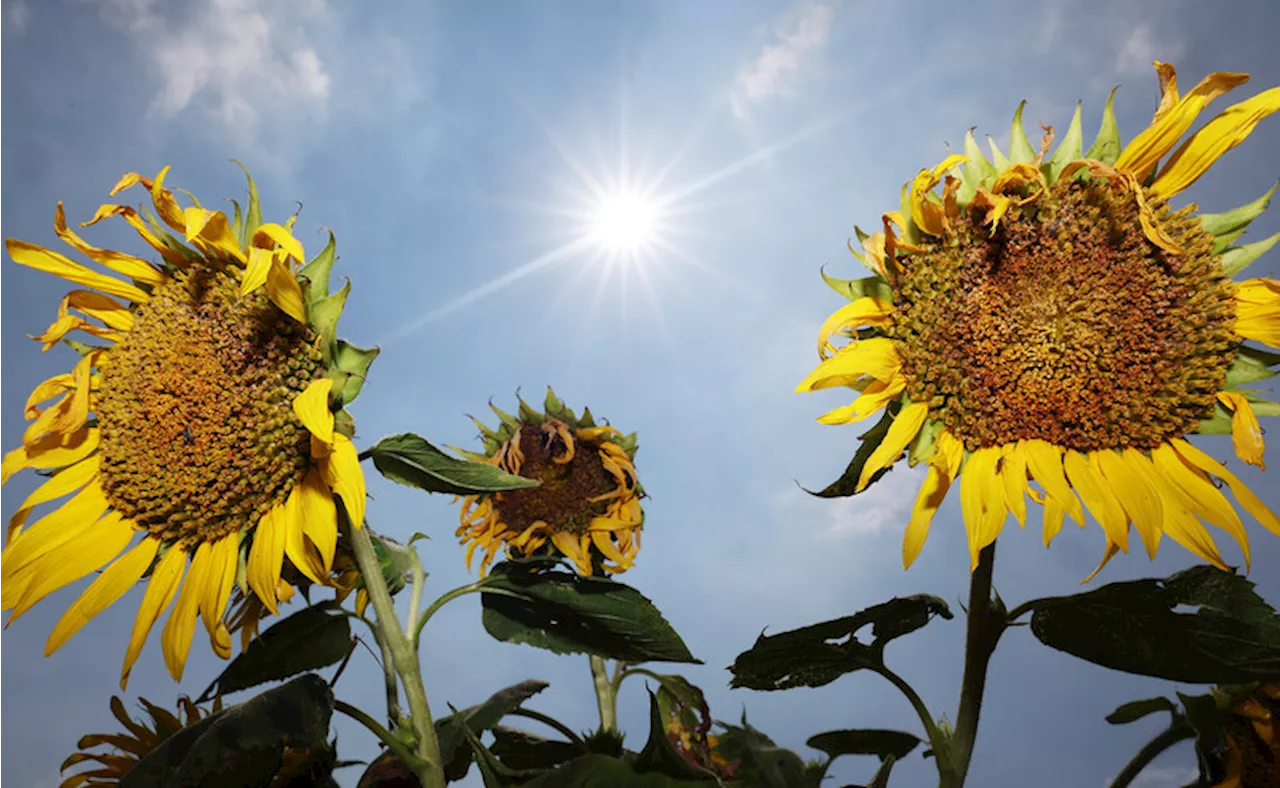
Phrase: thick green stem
(415, 598)
(984, 629)
(606, 695)
(403, 656)
(1178, 731)
(391, 684)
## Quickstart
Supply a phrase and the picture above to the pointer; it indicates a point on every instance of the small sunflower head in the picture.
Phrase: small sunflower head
(132, 745)
(587, 505)
(1252, 731)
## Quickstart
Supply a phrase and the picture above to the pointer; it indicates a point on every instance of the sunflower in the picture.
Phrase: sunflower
(1253, 743)
(133, 746)
(202, 436)
(587, 507)
(128, 749)
(1053, 319)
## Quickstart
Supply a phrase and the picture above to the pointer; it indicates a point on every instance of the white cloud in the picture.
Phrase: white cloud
(1142, 47)
(1050, 27)
(885, 505)
(245, 64)
(16, 15)
(770, 73)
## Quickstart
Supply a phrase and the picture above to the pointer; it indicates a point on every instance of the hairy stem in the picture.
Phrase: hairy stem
(403, 656)
(1178, 731)
(606, 695)
(984, 629)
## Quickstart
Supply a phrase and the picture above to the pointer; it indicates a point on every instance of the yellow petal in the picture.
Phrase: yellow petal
(166, 207)
(1193, 491)
(223, 557)
(1139, 157)
(1112, 549)
(112, 584)
(1183, 528)
(135, 221)
(1053, 517)
(53, 451)
(285, 291)
(341, 471)
(948, 454)
(50, 532)
(100, 307)
(906, 425)
(1244, 496)
(268, 236)
(1014, 475)
(1246, 432)
(312, 407)
(928, 500)
(1128, 476)
(302, 554)
(1195, 156)
(876, 357)
(130, 266)
(1045, 461)
(72, 561)
(210, 231)
(604, 543)
(1086, 480)
(160, 590)
(42, 259)
(255, 272)
(873, 398)
(319, 516)
(266, 557)
(861, 312)
(65, 483)
(175, 640)
(1168, 89)
(982, 500)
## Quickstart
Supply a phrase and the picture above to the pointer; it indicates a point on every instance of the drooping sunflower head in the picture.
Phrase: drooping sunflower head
(1253, 740)
(131, 746)
(587, 505)
(202, 438)
(1053, 319)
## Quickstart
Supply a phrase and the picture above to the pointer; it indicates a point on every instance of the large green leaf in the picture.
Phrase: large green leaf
(312, 638)
(412, 461)
(660, 755)
(821, 653)
(450, 731)
(241, 745)
(1137, 709)
(521, 750)
(568, 613)
(848, 481)
(760, 762)
(882, 743)
(1227, 634)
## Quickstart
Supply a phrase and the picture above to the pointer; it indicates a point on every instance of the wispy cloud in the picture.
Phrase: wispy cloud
(1142, 47)
(243, 63)
(16, 15)
(771, 73)
(884, 505)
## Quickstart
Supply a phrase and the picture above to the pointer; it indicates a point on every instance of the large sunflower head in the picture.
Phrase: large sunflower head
(1052, 318)
(587, 507)
(201, 438)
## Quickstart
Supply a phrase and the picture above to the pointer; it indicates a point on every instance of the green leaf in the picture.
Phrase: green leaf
(1232, 635)
(1251, 365)
(237, 224)
(761, 763)
(571, 614)
(312, 638)
(882, 743)
(1069, 149)
(394, 559)
(410, 460)
(324, 314)
(922, 447)
(818, 654)
(1106, 146)
(1217, 424)
(1237, 219)
(521, 750)
(451, 731)
(1020, 149)
(1237, 258)
(1222, 242)
(355, 362)
(1262, 406)
(853, 289)
(318, 269)
(253, 212)
(493, 772)
(977, 171)
(909, 232)
(1137, 709)
(242, 744)
(848, 481)
(881, 778)
(601, 771)
(660, 755)
(998, 158)
(555, 408)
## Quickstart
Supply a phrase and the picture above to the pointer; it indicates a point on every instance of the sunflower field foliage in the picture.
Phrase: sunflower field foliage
(1043, 327)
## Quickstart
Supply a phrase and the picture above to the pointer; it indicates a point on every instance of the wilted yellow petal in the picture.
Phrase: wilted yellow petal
(861, 312)
(902, 431)
(51, 262)
(1246, 432)
(268, 236)
(1246, 497)
(876, 357)
(1195, 156)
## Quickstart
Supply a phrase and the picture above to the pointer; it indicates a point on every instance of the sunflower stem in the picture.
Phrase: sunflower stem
(390, 682)
(403, 656)
(936, 738)
(1176, 732)
(415, 599)
(444, 599)
(606, 695)
(388, 738)
(986, 623)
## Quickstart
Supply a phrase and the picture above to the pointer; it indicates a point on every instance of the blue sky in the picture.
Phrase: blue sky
(449, 145)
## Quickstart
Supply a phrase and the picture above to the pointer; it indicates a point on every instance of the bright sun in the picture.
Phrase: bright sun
(624, 223)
